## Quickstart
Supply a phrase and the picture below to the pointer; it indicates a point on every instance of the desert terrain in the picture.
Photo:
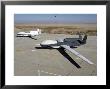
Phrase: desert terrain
(72, 29)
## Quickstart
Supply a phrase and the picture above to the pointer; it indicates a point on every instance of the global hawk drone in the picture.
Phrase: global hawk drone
(67, 44)
(29, 34)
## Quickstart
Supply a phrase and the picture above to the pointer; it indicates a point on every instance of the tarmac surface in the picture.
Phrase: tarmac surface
(30, 60)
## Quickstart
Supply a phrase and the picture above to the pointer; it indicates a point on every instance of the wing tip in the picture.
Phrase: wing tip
(90, 62)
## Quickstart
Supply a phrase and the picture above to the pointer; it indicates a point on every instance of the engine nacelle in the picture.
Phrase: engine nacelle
(50, 43)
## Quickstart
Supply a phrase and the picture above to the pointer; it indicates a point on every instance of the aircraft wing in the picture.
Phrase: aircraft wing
(77, 54)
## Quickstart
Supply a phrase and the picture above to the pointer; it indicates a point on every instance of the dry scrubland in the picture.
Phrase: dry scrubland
(89, 29)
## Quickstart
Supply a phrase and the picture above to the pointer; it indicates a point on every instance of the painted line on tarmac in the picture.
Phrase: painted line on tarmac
(49, 73)
(33, 50)
(38, 72)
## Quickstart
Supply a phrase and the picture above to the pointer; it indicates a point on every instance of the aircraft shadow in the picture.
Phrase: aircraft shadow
(33, 38)
(62, 51)
(44, 48)
(26, 37)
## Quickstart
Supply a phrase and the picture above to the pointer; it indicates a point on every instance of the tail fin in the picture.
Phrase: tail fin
(80, 36)
(84, 39)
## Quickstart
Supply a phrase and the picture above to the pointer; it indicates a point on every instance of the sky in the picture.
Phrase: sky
(55, 18)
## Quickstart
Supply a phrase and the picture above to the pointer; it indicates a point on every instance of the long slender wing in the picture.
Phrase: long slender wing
(77, 54)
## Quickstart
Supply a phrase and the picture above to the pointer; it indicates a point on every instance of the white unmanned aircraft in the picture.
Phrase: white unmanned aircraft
(68, 44)
(29, 34)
